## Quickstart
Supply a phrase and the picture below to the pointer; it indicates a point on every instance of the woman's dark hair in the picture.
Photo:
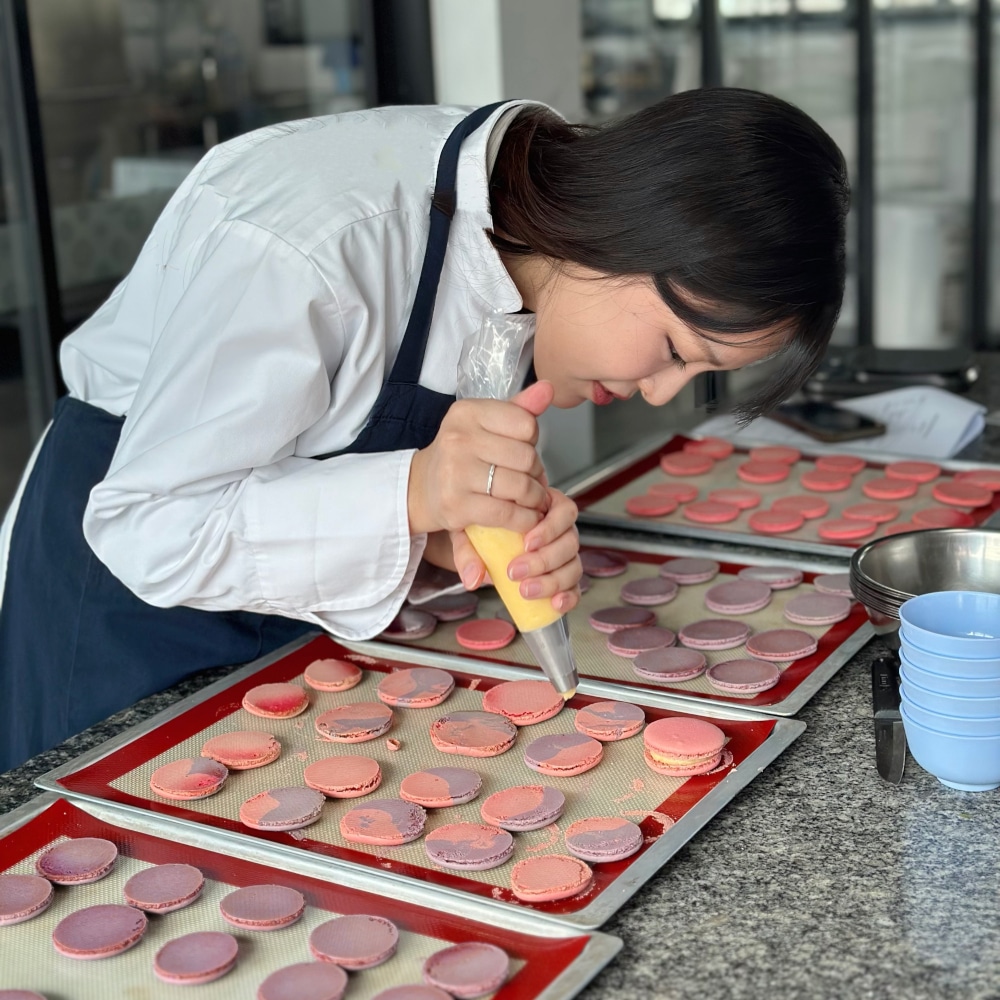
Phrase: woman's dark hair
(733, 202)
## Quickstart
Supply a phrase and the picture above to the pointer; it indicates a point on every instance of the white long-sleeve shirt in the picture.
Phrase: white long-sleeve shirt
(254, 332)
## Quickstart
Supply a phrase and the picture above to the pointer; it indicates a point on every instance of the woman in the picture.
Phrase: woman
(261, 435)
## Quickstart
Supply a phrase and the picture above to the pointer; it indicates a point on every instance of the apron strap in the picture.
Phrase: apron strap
(410, 359)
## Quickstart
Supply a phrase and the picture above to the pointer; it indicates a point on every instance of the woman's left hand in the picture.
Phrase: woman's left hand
(550, 566)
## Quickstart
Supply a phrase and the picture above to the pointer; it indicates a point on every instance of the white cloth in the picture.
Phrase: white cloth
(255, 331)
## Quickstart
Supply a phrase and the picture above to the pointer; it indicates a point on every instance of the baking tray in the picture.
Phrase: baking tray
(601, 671)
(547, 962)
(601, 492)
(669, 810)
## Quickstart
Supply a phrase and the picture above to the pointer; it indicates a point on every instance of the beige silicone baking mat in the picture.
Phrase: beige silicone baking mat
(602, 497)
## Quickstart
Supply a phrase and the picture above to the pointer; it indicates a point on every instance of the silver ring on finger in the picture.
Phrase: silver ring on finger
(489, 480)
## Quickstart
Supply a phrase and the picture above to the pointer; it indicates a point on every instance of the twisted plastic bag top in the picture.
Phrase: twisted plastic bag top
(488, 366)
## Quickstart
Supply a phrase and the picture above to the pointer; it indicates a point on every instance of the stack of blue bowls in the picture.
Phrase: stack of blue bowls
(950, 686)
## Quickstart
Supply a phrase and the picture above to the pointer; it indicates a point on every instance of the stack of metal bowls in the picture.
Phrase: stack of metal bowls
(891, 570)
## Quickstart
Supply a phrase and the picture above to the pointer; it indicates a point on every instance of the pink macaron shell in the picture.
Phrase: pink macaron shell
(744, 676)
(416, 687)
(277, 809)
(23, 897)
(943, 517)
(472, 847)
(987, 478)
(918, 472)
(563, 754)
(332, 675)
(834, 583)
(602, 563)
(524, 703)
(817, 609)
(608, 620)
(441, 787)
(473, 734)
(885, 488)
(355, 941)
(775, 522)
(630, 642)
(276, 701)
(714, 633)
(262, 907)
(649, 591)
(809, 507)
(776, 577)
(305, 981)
(601, 839)
(681, 492)
(669, 665)
(346, 777)
(409, 991)
(650, 505)
(550, 877)
(714, 447)
(826, 480)
(452, 607)
(523, 807)
(850, 464)
(738, 597)
(843, 529)
(961, 494)
(781, 645)
(99, 931)
(745, 499)
(877, 512)
(78, 861)
(689, 570)
(164, 888)
(410, 625)
(467, 970)
(775, 453)
(354, 723)
(485, 634)
(684, 463)
(196, 958)
(711, 512)
(384, 822)
(243, 749)
(610, 721)
(760, 473)
(189, 778)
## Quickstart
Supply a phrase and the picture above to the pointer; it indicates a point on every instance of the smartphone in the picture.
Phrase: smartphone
(826, 422)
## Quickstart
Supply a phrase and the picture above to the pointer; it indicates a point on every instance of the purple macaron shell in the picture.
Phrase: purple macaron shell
(669, 665)
(781, 644)
(438, 787)
(410, 625)
(600, 563)
(714, 633)
(355, 941)
(743, 675)
(416, 687)
(164, 888)
(817, 609)
(196, 958)
(386, 822)
(412, 991)
(776, 577)
(689, 570)
(78, 861)
(262, 907)
(650, 591)
(524, 807)
(288, 808)
(612, 619)
(631, 642)
(563, 753)
(23, 897)
(468, 846)
(603, 838)
(99, 931)
(451, 607)
(467, 970)
(609, 721)
(834, 583)
(305, 981)
(737, 597)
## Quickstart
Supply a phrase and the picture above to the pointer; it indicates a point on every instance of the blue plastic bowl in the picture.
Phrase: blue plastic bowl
(953, 666)
(953, 623)
(949, 704)
(954, 725)
(960, 687)
(968, 763)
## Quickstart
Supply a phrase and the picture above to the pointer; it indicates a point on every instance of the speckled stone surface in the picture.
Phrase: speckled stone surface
(819, 880)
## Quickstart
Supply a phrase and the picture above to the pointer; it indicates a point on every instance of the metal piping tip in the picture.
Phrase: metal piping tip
(551, 648)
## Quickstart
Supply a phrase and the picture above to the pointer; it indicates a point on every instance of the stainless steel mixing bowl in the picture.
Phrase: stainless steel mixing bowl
(889, 571)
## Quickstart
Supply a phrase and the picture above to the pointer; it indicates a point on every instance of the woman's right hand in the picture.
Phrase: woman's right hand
(449, 478)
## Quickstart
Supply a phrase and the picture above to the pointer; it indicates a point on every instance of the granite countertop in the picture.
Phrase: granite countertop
(818, 880)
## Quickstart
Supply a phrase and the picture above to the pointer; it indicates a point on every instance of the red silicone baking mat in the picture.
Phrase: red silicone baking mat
(599, 667)
(601, 495)
(667, 809)
(542, 964)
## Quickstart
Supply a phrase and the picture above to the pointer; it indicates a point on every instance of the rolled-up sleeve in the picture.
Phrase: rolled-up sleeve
(206, 503)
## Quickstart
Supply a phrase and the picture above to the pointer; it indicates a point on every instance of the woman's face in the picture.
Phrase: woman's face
(602, 339)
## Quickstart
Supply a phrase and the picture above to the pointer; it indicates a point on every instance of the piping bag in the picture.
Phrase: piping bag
(487, 369)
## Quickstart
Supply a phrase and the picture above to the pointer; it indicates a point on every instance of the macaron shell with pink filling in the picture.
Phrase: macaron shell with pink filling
(355, 941)
(472, 847)
(441, 787)
(347, 777)
(99, 931)
(23, 897)
(524, 703)
(689, 570)
(714, 633)
(744, 676)
(609, 721)
(384, 822)
(78, 861)
(354, 723)
(563, 754)
(680, 745)
(669, 665)
(467, 970)
(473, 734)
(164, 888)
(523, 807)
(332, 675)
(601, 839)
(609, 620)
(630, 642)
(738, 597)
(290, 808)
(189, 778)
(196, 958)
(781, 645)
(485, 634)
(243, 749)
(416, 687)
(305, 981)
(817, 609)
(550, 877)
(276, 701)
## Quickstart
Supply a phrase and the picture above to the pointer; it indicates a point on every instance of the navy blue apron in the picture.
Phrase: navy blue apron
(75, 644)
